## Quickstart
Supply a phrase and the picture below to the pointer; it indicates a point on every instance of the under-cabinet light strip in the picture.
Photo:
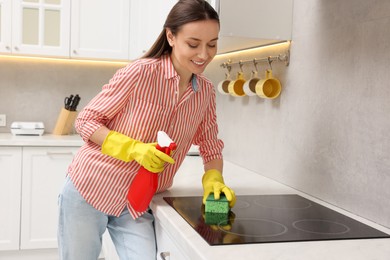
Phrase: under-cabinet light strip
(32, 58)
(281, 57)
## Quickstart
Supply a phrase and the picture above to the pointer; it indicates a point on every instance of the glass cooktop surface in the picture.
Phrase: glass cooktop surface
(271, 218)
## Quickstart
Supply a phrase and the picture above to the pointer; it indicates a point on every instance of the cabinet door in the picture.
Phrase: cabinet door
(41, 27)
(44, 171)
(166, 247)
(5, 26)
(10, 180)
(100, 29)
(146, 23)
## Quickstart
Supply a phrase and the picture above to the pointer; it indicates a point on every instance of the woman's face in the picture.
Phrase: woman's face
(194, 46)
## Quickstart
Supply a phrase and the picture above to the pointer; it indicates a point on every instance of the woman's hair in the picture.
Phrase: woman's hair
(183, 12)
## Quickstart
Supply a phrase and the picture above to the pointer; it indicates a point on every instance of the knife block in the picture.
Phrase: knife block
(65, 122)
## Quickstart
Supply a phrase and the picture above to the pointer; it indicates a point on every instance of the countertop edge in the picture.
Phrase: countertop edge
(7, 139)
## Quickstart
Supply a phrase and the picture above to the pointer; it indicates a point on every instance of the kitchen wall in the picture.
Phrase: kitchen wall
(328, 133)
(33, 89)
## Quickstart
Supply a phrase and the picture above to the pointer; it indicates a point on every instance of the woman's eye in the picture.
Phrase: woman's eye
(212, 45)
(192, 46)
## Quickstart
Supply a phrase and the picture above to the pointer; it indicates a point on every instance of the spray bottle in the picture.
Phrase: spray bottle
(145, 183)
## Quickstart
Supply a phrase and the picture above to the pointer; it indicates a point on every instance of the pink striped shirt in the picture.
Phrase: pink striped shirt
(140, 100)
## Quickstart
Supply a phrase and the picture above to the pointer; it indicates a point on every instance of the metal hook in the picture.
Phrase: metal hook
(269, 62)
(241, 64)
(255, 64)
(227, 65)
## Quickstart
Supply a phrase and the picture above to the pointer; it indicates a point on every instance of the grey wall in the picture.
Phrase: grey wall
(328, 133)
(34, 89)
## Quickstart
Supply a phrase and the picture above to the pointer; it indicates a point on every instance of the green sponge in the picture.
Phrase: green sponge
(216, 218)
(217, 206)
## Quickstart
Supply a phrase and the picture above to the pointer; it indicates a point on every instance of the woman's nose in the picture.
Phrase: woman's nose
(203, 53)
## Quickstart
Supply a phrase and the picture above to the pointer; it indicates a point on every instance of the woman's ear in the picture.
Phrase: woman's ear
(170, 37)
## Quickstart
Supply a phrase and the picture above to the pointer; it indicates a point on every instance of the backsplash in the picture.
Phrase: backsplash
(328, 133)
(33, 89)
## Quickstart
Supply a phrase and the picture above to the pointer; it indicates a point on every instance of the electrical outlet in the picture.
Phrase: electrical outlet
(3, 120)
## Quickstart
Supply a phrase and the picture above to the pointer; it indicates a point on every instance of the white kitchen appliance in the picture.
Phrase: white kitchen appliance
(27, 128)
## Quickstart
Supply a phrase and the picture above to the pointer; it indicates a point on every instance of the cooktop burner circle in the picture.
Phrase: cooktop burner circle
(320, 226)
(253, 227)
(282, 202)
(240, 204)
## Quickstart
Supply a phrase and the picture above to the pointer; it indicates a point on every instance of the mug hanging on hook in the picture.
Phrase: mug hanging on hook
(223, 85)
(250, 85)
(269, 87)
(235, 87)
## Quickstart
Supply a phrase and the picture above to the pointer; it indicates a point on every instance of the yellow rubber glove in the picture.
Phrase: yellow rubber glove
(213, 183)
(126, 149)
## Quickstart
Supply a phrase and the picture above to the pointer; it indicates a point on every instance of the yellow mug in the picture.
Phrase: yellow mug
(269, 87)
(235, 87)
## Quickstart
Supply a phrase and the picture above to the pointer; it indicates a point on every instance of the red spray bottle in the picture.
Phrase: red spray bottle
(145, 183)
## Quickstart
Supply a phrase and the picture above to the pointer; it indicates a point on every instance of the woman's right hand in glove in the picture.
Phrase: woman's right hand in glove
(127, 149)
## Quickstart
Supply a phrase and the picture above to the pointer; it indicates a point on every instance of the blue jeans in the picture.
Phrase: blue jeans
(81, 227)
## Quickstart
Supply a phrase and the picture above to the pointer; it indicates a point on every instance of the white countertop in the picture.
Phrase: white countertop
(244, 182)
(7, 139)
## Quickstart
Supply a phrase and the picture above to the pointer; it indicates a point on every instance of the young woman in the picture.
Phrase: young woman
(165, 90)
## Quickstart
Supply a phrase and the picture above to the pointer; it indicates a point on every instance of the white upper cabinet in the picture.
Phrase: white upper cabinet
(5, 26)
(100, 29)
(41, 27)
(248, 23)
(81, 29)
(146, 23)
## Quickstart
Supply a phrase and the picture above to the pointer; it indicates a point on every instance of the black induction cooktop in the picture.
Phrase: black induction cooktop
(271, 218)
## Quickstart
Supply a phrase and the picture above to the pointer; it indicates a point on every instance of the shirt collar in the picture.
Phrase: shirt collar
(170, 72)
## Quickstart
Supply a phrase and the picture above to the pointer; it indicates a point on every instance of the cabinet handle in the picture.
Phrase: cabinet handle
(74, 52)
(165, 255)
(7, 48)
(16, 48)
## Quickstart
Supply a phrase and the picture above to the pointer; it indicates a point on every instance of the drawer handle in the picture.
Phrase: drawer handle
(165, 255)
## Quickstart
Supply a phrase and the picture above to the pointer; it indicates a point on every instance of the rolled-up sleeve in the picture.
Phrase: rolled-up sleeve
(106, 104)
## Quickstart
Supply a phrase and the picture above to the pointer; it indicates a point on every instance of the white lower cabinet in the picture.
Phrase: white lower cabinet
(30, 181)
(44, 171)
(10, 189)
(166, 247)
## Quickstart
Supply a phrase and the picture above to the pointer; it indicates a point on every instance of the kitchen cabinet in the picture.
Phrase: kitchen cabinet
(43, 174)
(81, 29)
(257, 23)
(5, 26)
(10, 194)
(40, 27)
(166, 247)
(31, 179)
(100, 29)
(146, 23)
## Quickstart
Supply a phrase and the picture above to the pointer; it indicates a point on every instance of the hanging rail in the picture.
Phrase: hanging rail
(281, 57)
